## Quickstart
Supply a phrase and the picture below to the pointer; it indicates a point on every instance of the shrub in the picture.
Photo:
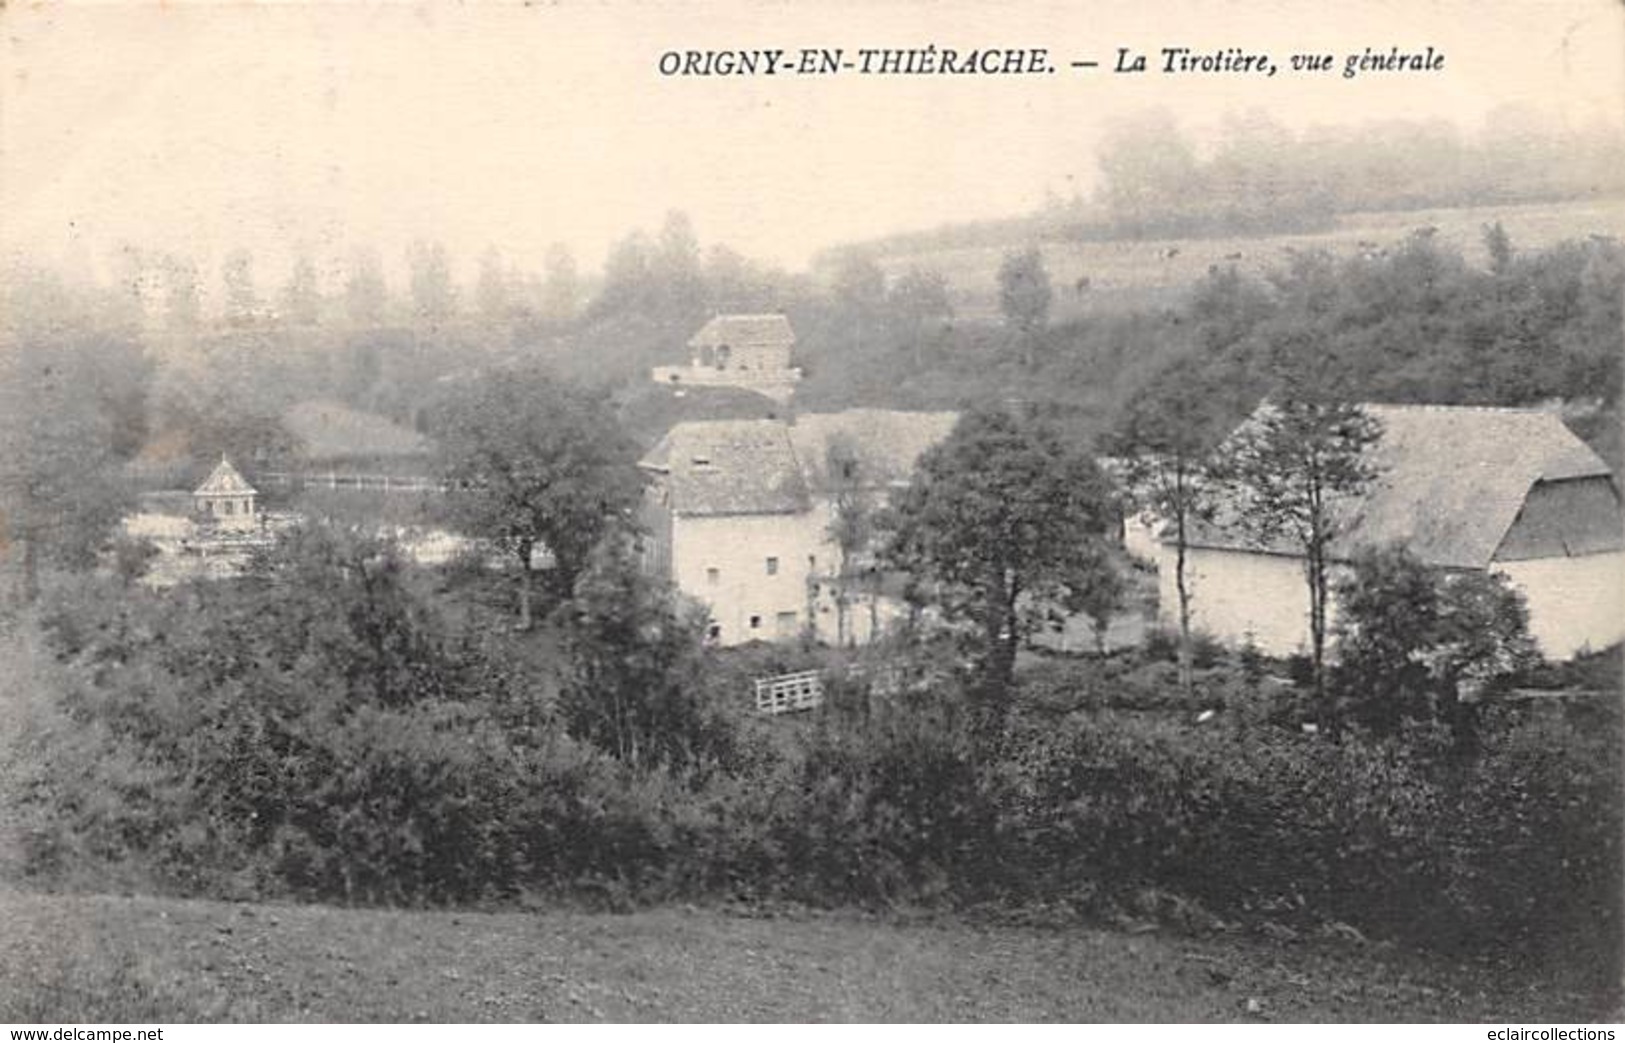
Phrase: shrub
(254, 738)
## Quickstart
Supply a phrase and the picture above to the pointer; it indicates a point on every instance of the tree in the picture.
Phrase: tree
(561, 290)
(1007, 523)
(1150, 177)
(364, 290)
(1419, 644)
(1293, 467)
(59, 433)
(919, 300)
(1165, 440)
(632, 685)
(180, 295)
(851, 527)
(1498, 245)
(242, 300)
(301, 297)
(1024, 297)
(535, 465)
(493, 293)
(628, 282)
(860, 294)
(675, 267)
(434, 299)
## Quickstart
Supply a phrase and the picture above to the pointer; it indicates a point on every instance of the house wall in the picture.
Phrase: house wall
(1574, 603)
(1237, 595)
(738, 547)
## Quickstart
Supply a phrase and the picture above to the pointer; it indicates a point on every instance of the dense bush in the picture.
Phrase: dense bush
(248, 739)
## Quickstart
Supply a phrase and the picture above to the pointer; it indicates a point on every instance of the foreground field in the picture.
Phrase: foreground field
(101, 958)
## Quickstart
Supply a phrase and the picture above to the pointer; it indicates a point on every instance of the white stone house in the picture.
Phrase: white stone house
(1462, 488)
(225, 499)
(739, 516)
(739, 351)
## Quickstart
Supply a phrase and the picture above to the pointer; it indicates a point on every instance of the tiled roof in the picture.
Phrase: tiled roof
(744, 331)
(729, 467)
(715, 467)
(224, 480)
(1451, 481)
(885, 444)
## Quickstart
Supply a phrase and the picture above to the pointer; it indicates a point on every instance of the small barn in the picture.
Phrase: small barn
(1462, 488)
(743, 351)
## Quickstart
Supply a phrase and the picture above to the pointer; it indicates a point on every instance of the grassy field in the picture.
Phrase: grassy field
(1127, 273)
(123, 959)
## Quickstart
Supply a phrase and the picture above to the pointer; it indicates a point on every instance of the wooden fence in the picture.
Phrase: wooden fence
(333, 480)
(787, 693)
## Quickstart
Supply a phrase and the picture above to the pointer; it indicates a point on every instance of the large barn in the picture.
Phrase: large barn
(1501, 490)
(739, 512)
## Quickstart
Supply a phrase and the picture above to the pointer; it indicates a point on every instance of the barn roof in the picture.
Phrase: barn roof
(224, 480)
(1451, 482)
(744, 331)
(885, 444)
(716, 467)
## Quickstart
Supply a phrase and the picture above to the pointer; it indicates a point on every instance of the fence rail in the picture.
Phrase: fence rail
(388, 483)
(787, 693)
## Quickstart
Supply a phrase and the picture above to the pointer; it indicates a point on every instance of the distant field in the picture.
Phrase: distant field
(108, 959)
(1158, 271)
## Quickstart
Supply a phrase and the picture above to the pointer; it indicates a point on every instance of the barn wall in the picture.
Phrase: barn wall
(1573, 602)
(738, 547)
(1237, 594)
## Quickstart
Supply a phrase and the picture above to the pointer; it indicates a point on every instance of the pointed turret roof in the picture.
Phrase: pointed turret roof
(224, 480)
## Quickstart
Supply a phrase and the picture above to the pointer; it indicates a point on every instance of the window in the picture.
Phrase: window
(722, 356)
(756, 622)
(713, 576)
(714, 632)
(772, 566)
(230, 507)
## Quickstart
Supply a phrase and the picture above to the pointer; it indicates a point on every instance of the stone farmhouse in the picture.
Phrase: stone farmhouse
(740, 513)
(1504, 490)
(739, 351)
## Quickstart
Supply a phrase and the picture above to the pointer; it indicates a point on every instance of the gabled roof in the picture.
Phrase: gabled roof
(1451, 482)
(744, 331)
(717, 467)
(224, 480)
(885, 444)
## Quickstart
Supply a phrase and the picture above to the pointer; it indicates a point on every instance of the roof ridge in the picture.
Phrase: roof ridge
(1442, 407)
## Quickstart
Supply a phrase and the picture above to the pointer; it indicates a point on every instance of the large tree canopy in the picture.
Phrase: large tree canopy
(535, 464)
(1005, 522)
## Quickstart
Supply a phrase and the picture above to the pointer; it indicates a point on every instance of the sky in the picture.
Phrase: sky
(284, 128)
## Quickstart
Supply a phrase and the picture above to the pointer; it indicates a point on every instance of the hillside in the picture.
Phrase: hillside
(103, 958)
(1092, 277)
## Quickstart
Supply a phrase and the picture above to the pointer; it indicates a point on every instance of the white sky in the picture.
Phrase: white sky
(201, 128)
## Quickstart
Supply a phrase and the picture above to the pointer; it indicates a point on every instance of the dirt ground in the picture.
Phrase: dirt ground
(67, 959)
